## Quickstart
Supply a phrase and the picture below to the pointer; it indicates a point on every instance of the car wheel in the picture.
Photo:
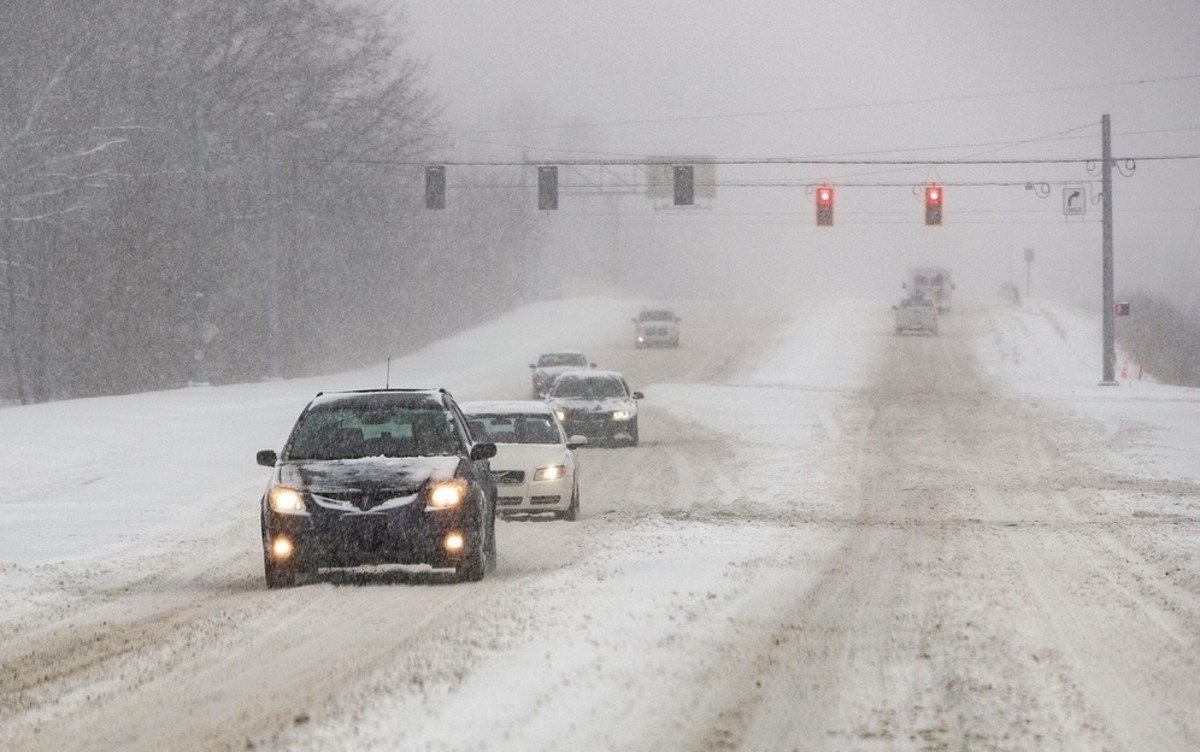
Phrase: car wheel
(633, 433)
(572, 513)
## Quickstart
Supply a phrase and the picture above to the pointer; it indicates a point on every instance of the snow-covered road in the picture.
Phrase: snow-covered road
(830, 538)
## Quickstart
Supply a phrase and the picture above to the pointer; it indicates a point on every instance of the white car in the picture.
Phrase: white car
(535, 467)
(656, 327)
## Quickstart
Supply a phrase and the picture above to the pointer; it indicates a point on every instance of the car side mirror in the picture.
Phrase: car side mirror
(895, 308)
(266, 458)
(483, 451)
(638, 395)
(591, 365)
(576, 441)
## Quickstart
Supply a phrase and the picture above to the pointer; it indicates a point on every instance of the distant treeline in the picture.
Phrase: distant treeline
(222, 190)
(1164, 339)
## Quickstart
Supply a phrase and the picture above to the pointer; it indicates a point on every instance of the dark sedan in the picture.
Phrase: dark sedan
(379, 477)
(597, 405)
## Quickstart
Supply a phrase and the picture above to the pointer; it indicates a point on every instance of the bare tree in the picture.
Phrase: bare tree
(218, 189)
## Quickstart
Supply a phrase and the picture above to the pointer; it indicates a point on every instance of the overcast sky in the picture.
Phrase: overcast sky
(876, 80)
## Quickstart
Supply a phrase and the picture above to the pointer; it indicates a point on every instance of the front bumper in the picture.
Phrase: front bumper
(405, 535)
(533, 496)
(598, 426)
(657, 339)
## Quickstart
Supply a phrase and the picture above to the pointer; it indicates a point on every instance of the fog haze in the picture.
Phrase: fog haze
(542, 80)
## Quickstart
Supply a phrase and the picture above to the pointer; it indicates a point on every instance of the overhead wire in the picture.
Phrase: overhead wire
(836, 108)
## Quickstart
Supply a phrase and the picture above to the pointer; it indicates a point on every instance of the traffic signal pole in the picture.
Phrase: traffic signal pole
(1110, 351)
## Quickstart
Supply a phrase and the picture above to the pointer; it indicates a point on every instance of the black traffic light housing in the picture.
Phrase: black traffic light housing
(435, 187)
(933, 204)
(824, 206)
(1121, 308)
(548, 187)
(685, 185)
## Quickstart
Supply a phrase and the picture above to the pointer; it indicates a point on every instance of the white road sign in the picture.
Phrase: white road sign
(1074, 201)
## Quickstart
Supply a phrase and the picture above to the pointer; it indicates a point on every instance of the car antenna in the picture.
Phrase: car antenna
(387, 381)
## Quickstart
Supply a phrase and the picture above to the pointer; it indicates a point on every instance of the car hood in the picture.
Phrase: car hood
(529, 457)
(595, 406)
(397, 474)
(556, 370)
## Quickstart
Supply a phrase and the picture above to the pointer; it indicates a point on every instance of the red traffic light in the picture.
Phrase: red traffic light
(824, 206)
(933, 204)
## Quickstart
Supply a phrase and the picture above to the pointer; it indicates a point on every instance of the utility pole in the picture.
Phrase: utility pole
(1110, 351)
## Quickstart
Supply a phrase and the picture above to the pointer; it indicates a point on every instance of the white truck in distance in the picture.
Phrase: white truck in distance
(916, 314)
(933, 282)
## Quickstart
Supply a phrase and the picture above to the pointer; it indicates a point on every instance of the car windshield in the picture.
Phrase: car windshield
(562, 359)
(509, 428)
(350, 431)
(657, 316)
(602, 388)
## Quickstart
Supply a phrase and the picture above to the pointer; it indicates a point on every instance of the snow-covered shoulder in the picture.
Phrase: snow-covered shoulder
(1054, 353)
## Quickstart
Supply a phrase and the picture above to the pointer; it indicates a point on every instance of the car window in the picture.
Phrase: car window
(657, 316)
(596, 388)
(562, 359)
(344, 432)
(526, 428)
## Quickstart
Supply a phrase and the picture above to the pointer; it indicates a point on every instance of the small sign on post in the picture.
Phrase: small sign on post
(1074, 201)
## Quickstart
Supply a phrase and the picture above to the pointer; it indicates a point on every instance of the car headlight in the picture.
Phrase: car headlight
(562, 414)
(284, 500)
(554, 472)
(447, 494)
(621, 415)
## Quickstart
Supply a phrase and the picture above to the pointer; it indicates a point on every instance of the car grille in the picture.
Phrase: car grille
(596, 420)
(508, 501)
(509, 477)
(365, 500)
(545, 500)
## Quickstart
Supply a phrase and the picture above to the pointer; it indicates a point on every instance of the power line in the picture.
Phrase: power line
(1058, 136)
(836, 108)
(748, 161)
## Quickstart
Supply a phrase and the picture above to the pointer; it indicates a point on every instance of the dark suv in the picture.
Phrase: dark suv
(386, 476)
